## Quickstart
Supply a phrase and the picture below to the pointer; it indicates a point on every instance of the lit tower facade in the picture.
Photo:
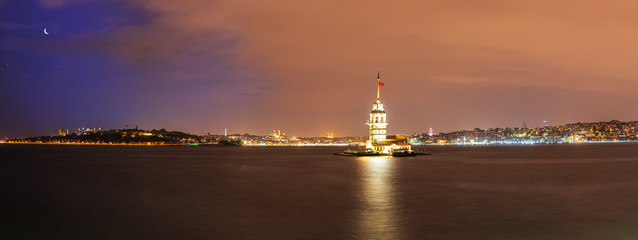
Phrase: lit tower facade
(378, 121)
(379, 141)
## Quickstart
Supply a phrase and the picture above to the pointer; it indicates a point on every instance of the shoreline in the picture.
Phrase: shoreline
(311, 145)
(95, 144)
(526, 144)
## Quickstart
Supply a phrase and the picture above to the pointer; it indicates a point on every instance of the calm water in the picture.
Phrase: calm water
(561, 192)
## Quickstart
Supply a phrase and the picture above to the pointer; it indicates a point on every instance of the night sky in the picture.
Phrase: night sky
(310, 67)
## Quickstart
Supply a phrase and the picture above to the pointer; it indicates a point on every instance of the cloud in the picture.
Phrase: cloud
(8, 26)
(326, 52)
(278, 34)
(60, 3)
(476, 43)
(309, 60)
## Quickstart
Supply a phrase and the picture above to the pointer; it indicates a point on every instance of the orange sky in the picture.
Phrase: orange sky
(447, 64)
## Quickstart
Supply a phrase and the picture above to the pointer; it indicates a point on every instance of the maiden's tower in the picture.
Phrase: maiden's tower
(379, 141)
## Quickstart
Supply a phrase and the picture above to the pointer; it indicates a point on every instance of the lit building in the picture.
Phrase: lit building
(379, 140)
(330, 135)
(277, 135)
(63, 133)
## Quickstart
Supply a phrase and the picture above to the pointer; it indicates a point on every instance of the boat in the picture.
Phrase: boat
(360, 152)
(407, 153)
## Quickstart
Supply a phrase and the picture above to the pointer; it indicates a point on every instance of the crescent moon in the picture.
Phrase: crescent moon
(45, 31)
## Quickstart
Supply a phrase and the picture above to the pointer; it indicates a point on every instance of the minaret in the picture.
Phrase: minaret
(378, 122)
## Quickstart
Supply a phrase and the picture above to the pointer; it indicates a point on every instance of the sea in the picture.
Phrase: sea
(569, 191)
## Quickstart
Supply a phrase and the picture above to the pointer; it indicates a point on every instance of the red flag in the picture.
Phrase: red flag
(381, 84)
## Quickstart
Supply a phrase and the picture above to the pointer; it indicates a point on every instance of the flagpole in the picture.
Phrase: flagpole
(378, 83)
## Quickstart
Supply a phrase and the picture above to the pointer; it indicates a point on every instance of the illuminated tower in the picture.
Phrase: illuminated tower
(378, 122)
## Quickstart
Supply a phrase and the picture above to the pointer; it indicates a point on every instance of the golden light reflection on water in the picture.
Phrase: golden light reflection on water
(378, 214)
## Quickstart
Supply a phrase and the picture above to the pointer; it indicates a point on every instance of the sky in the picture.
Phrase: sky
(309, 67)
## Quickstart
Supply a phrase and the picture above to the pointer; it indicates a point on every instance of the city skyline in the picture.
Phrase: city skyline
(309, 69)
(605, 131)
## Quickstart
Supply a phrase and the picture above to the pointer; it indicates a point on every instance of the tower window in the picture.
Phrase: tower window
(381, 119)
(376, 119)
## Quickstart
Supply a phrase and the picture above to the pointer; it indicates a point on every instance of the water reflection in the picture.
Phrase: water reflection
(378, 214)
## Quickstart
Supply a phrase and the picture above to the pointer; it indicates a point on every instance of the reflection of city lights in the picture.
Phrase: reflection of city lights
(378, 217)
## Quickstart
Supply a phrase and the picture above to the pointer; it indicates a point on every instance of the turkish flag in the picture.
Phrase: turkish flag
(381, 84)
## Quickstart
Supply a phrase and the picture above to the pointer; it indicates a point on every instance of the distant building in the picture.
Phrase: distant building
(379, 141)
(276, 134)
(63, 133)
